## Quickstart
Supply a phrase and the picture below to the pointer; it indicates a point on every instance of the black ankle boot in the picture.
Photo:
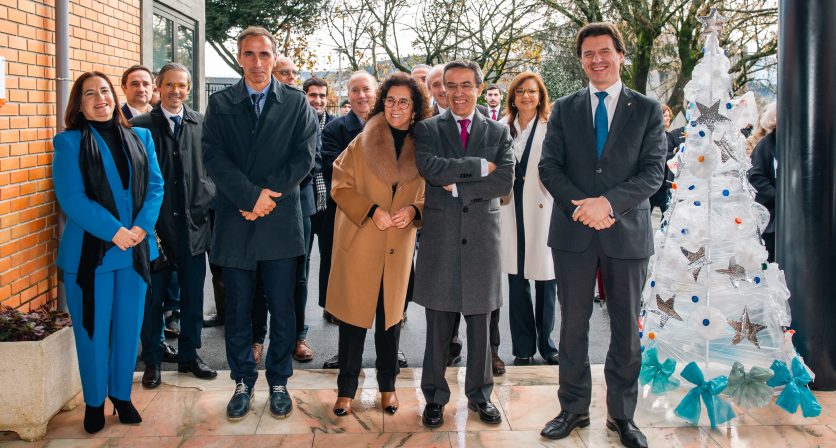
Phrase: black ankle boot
(94, 418)
(126, 410)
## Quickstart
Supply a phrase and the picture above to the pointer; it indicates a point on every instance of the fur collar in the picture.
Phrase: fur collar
(378, 147)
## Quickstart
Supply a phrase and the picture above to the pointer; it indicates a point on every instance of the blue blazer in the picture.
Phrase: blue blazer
(84, 214)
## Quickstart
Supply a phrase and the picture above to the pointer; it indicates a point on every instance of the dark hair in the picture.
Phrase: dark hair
(256, 31)
(493, 86)
(470, 65)
(600, 29)
(135, 68)
(171, 66)
(420, 98)
(314, 81)
(511, 111)
(344, 103)
(73, 117)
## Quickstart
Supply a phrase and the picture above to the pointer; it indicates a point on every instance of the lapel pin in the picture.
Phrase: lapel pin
(629, 104)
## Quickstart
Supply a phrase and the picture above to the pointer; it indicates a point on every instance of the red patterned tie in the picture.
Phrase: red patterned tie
(464, 123)
(493, 115)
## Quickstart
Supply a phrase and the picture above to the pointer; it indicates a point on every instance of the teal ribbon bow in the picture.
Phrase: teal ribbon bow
(719, 410)
(657, 374)
(795, 391)
(749, 390)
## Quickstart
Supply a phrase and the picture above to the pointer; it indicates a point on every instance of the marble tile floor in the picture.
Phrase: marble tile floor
(187, 412)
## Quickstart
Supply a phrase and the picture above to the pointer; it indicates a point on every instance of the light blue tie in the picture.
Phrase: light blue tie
(601, 127)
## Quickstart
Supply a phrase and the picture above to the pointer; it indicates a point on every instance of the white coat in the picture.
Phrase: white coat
(537, 212)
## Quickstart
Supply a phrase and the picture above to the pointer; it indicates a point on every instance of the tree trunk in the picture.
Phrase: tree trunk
(640, 65)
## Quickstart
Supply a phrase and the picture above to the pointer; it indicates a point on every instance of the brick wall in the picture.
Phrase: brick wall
(104, 36)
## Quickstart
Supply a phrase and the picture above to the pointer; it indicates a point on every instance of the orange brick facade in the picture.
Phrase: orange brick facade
(104, 36)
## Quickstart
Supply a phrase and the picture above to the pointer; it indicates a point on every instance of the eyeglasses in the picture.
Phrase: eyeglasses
(287, 72)
(524, 92)
(176, 85)
(402, 103)
(451, 87)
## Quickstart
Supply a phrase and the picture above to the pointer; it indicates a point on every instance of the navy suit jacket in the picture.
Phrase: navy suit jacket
(86, 215)
(629, 172)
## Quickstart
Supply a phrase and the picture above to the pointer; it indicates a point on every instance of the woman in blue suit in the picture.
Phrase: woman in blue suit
(108, 183)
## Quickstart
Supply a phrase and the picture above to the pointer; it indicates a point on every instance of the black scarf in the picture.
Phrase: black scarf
(97, 188)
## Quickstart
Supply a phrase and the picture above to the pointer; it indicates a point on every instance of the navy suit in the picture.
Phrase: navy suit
(107, 361)
(628, 172)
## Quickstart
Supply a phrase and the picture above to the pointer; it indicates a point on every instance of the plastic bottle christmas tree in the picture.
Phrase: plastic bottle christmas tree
(714, 311)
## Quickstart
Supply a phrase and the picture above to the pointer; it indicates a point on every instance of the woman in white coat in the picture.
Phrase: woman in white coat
(525, 216)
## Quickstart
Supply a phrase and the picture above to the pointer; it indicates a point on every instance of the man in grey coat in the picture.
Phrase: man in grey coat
(467, 162)
(259, 140)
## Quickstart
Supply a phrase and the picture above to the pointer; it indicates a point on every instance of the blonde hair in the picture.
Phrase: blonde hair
(767, 123)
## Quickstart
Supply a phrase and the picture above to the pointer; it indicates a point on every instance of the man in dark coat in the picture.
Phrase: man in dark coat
(762, 176)
(259, 140)
(467, 162)
(183, 225)
(336, 135)
(601, 176)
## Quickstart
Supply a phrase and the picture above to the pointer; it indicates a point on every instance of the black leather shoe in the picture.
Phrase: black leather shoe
(214, 320)
(402, 362)
(197, 367)
(562, 425)
(241, 402)
(433, 415)
(522, 361)
(630, 434)
(126, 410)
(151, 376)
(281, 406)
(488, 413)
(552, 359)
(94, 419)
(169, 352)
(172, 326)
(332, 363)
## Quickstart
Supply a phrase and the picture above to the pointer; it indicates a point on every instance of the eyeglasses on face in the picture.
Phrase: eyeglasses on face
(402, 103)
(176, 85)
(524, 92)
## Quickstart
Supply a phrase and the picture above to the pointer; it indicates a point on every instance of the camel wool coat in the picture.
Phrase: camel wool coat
(364, 175)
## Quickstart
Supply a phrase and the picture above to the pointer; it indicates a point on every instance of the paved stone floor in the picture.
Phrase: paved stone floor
(187, 412)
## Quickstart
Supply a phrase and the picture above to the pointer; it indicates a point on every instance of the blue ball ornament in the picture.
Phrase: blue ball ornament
(706, 322)
(726, 193)
(695, 299)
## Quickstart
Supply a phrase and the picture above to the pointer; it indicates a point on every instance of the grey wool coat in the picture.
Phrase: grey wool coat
(458, 267)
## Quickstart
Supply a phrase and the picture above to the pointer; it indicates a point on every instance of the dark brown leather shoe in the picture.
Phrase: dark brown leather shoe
(303, 353)
(497, 364)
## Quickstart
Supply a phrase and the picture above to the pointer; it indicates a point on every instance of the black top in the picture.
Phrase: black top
(399, 137)
(107, 129)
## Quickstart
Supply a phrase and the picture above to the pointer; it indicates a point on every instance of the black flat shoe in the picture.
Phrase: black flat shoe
(522, 361)
(332, 363)
(552, 359)
(433, 415)
(126, 410)
(151, 376)
(169, 352)
(402, 362)
(241, 402)
(562, 425)
(94, 419)
(488, 413)
(630, 434)
(198, 368)
(281, 406)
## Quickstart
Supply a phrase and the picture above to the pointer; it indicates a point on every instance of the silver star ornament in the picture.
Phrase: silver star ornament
(745, 328)
(665, 310)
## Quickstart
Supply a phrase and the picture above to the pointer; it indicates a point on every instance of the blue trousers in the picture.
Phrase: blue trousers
(279, 280)
(106, 362)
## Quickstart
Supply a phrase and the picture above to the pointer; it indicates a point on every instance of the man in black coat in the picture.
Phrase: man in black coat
(762, 177)
(602, 159)
(336, 135)
(259, 140)
(183, 225)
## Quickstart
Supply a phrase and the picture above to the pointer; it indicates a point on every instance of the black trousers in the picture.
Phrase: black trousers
(456, 341)
(623, 282)
(322, 225)
(350, 352)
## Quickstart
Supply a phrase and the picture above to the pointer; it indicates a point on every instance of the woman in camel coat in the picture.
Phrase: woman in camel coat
(380, 198)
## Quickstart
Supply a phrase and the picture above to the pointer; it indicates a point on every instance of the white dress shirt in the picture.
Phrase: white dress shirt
(613, 92)
(137, 112)
(168, 116)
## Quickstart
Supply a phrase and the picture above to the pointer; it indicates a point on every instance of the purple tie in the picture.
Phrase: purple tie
(464, 123)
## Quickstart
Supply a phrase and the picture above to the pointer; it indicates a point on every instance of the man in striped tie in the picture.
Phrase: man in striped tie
(602, 160)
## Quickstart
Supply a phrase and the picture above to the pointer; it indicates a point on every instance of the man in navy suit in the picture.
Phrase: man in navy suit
(138, 86)
(602, 160)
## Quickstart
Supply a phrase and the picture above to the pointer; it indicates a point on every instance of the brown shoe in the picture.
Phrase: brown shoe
(389, 402)
(497, 365)
(303, 353)
(258, 352)
(342, 407)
